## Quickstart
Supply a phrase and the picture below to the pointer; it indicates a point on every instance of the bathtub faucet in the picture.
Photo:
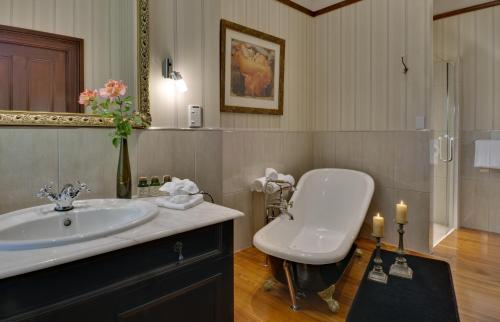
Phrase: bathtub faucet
(284, 209)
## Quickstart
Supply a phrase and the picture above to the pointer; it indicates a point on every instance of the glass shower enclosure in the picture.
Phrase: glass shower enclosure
(445, 115)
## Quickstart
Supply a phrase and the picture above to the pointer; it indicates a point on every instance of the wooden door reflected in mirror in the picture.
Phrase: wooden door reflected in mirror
(40, 72)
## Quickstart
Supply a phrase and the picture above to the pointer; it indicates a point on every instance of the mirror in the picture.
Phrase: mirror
(49, 55)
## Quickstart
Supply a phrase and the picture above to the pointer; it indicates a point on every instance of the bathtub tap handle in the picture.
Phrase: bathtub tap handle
(284, 209)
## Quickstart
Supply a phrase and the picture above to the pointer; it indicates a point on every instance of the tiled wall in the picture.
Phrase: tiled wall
(480, 189)
(399, 163)
(246, 154)
(31, 157)
(223, 163)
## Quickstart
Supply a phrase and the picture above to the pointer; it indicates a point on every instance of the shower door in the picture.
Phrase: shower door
(445, 192)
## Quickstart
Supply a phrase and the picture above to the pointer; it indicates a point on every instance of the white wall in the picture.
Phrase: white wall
(107, 27)
(343, 69)
(474, 39)
(189, 31)
(359, 84)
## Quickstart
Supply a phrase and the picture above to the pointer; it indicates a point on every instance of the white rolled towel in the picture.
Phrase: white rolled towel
(180, 187)
(271, 174)
(287, 178)
(179, 202)
(259, 185)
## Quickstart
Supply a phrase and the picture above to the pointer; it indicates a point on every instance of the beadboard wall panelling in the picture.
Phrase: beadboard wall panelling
(474, 40)
(107, 27)
(295, 27)
(397, 80)
(358, 81)
(189, 32)
(419, 59)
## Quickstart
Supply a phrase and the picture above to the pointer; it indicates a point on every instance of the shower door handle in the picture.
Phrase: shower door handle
(441, 158)
(451, 143)
(449, 149)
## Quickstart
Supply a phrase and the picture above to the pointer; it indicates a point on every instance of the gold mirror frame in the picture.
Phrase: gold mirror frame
(89, 120)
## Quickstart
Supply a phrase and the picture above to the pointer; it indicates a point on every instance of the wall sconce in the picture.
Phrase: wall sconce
(169, 72)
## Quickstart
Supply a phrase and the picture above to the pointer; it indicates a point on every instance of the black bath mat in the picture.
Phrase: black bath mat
(429, 297)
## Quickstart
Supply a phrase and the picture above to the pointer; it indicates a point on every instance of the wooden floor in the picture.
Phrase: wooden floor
(474, 257)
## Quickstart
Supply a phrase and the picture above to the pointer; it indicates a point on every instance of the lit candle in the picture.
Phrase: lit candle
(378, 226)
(401, 213)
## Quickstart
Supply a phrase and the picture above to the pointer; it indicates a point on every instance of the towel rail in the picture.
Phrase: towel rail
(276, 200)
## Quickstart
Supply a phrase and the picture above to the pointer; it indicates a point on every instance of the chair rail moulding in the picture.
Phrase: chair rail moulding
(26, 118)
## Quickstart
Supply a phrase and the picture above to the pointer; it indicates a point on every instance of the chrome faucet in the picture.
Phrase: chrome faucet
(63, 200)
(284, 209)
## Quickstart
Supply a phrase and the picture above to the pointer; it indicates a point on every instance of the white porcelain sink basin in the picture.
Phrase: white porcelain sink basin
(41, 227)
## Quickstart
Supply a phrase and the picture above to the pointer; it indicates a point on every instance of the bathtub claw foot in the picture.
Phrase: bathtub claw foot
(333, 305)
(327, 296)
(268, 285)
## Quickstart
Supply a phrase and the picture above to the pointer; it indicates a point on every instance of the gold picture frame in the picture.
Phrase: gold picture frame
(246, 87)
(89, 120)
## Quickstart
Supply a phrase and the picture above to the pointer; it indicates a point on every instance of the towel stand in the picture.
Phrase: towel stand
(275, 203)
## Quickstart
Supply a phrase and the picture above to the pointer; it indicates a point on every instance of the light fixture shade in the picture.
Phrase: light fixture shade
(181, 86)
(170, 73)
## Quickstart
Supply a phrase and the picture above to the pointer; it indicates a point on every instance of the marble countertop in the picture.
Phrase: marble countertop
(168, 222)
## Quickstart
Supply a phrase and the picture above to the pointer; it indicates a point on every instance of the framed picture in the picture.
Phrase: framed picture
(252, 70)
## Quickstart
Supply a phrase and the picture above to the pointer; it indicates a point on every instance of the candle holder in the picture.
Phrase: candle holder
(377, 273)
(400, 267)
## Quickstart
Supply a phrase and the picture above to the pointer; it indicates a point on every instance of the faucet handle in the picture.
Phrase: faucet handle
(45, 191)
(83, 186)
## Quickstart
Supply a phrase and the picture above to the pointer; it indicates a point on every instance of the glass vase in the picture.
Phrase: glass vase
(123, 175)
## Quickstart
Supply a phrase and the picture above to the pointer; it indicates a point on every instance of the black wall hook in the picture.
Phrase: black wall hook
(405, 69)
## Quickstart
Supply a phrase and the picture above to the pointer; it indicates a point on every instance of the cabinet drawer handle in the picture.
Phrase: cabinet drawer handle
(178, 249)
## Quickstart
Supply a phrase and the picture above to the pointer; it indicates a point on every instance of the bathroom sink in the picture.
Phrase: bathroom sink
(41, 227)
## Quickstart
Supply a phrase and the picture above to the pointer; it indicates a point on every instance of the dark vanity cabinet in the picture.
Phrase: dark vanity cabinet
(186, 277)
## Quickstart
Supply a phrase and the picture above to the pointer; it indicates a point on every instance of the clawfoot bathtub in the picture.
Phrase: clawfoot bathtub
(310, 249)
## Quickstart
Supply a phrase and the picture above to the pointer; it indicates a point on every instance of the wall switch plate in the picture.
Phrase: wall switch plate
(195, 116)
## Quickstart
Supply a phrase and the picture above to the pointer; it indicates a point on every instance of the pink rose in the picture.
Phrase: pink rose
(87, 97)
(113, 89)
